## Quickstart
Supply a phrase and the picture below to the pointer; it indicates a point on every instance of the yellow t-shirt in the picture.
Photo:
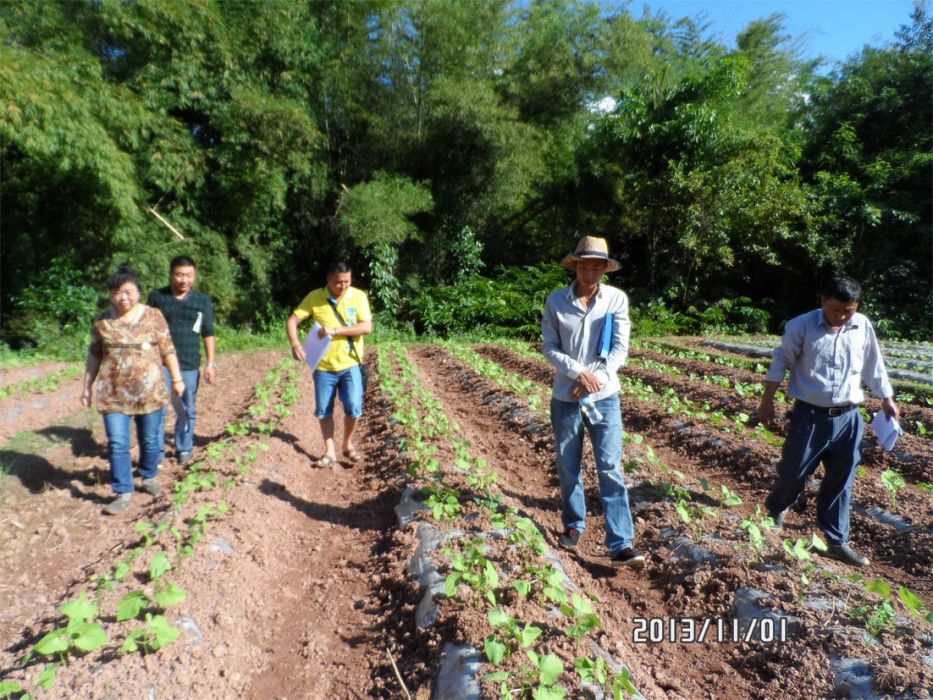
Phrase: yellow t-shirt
(354, 307)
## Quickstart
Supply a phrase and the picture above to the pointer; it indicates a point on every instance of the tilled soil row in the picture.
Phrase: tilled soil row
(708, 590)
(910, 410)
(913, 456)
(284, 595)
(527, 478)
(902, 557)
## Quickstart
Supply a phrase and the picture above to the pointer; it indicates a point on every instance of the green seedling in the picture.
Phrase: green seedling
(800, 550)
(622, 686)
(78, 635)
(152, 636)
(893, 482)
(730, 498)
(474, 569)
(581, 614)
(592, 671)
(12, 690)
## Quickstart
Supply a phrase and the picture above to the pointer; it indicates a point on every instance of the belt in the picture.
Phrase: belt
(829, 410)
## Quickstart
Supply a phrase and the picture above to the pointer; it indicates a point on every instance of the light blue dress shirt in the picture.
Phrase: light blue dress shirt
(572, 338)
(828, 368)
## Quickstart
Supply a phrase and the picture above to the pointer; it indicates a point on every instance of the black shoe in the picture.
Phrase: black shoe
(569, 538)
(844, 553)
(778, 521)
(628, 557)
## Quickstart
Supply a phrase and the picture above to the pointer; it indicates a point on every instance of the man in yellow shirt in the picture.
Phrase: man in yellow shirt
(343, 313)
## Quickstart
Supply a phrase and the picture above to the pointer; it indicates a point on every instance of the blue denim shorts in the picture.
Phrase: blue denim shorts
(348, 384)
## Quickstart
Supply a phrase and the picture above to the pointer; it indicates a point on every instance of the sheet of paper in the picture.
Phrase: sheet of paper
(886, 430)
(197, 324)
(315, 347)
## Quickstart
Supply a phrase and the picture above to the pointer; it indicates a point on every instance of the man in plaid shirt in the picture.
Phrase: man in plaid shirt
(190, 318)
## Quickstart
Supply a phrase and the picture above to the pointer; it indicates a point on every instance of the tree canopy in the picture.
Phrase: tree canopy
(426, 140)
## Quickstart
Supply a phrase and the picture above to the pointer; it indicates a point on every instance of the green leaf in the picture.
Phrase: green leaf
(79, 609)
(131, 605)
(549, 669)
(879, 586)
(529, 634)
(89, 636)
(549, 693)
(55, 642)
(497, 676)
(523, 587)
(451, 583)
(910, 601)
(586, 667)
(498, 617)
(169, 596)
(159, 566)
(163, 632)
(494, 649)
(817, 543)
(46, 678)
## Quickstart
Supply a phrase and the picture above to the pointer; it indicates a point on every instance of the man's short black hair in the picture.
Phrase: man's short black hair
(180, 261)
(842, 288)
(338, 267)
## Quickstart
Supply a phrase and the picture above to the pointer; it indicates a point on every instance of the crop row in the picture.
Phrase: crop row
(477, 574)
(872, 600)
(162, 548)
(39, 385)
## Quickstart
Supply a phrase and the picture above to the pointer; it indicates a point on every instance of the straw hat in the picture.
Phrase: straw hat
(590, 248)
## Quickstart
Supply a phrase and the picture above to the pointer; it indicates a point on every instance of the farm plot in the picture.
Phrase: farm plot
(711, 577)
(697, 359)
(290, 581)
(254, 575)
(911, 362)
(31, 396)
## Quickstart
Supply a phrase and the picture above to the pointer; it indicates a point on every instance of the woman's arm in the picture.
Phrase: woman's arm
(91, 368)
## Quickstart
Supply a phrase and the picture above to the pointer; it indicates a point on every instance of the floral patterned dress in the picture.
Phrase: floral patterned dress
(131, 351)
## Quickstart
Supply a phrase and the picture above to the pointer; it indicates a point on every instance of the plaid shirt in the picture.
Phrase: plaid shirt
(189, 320)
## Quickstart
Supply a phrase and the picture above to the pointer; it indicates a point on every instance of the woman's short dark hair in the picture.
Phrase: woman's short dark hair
(180, 261)
(842, 288)
(338, 267)
(124, 273)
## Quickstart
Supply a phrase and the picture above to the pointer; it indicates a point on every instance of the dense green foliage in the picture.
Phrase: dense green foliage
(427, 140)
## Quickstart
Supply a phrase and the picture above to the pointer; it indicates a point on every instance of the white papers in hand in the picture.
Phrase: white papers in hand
(886, 429)
(315, 347)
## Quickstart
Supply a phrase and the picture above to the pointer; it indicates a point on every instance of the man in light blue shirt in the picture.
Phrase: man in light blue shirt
(830, 352)
(586, 329)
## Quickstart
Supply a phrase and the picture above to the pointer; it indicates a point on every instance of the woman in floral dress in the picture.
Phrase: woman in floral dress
(129, 343)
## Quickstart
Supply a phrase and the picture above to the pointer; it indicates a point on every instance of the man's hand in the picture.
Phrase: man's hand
(587, 383)
(298, 352)
(325, 331)
(766, 411)
(890, 408)
(210, 372)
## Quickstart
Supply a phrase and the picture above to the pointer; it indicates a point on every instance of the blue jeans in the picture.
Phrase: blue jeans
(606, 436)
(184, 404)
(813, 437)
(348, 383)
(117, 426)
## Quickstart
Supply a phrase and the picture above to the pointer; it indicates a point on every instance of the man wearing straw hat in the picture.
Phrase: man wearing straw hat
(586, 331)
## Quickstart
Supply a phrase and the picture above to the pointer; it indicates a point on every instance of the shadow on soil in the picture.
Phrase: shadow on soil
(375, 514)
